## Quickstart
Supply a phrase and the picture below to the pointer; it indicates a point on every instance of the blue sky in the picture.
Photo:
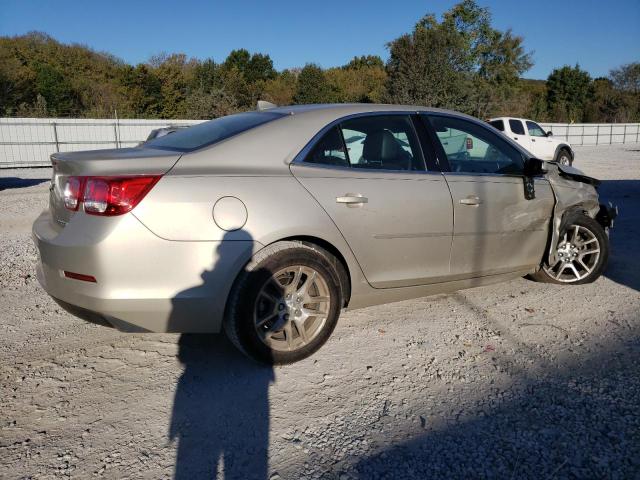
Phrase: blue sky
(598, 35)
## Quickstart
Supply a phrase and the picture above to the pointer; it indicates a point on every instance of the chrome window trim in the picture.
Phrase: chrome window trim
(354, 171)
(302, 154)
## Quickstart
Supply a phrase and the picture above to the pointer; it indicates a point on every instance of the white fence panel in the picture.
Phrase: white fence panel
(595, 133)
(26, 142)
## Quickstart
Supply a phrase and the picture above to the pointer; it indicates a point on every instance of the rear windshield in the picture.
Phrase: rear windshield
(208, 133)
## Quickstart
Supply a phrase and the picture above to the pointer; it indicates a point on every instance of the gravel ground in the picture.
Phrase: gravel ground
(516, 380)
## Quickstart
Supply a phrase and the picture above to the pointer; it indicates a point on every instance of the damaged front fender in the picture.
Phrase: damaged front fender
(575, 194)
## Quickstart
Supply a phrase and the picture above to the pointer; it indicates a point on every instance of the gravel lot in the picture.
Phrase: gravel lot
(516, 380)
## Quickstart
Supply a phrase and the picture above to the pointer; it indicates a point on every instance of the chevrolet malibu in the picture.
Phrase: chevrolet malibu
(267, 224)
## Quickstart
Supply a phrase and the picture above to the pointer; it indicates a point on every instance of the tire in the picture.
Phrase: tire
(587, 267)
(273, 321)
(564, 157)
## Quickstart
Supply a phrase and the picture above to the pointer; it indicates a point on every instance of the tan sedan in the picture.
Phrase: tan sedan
(267, 224)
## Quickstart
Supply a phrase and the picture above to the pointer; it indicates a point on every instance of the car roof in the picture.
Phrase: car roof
(344, 109)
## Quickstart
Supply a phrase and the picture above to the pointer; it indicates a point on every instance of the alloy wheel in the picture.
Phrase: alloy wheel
(577, 257)
(291, 308)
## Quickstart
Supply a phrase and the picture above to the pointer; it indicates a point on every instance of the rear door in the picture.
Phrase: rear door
(496, 229)
(369, 174)
(519, 133)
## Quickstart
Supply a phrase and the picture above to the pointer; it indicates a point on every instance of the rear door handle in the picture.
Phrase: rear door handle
(471, 200)
(352, 199)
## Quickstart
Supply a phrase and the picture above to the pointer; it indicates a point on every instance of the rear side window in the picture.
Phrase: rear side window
(208, 133)
(516, 127)
(385, 142)
(379, 142)
(329, 150)
(499, 124)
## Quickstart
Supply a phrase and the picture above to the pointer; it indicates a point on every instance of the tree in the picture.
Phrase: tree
(312, 86)
(142, 91)
(627, 78)
(363, 84)
(60, 97)
(458, 63)
(568, 90)
(364, 61)
(281, 89)
(238, 59)
(259, 68)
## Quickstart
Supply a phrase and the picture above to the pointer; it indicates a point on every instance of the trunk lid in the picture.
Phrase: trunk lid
(114, 162)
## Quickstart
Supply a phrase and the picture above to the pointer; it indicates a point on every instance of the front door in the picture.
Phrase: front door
(543, 147)
(496, 229)
(368, 173)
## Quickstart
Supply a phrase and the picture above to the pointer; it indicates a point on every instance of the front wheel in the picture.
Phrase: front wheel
(564, 157)
(285, 304)
(583, 252)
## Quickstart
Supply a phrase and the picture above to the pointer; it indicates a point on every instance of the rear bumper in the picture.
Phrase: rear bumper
(143, 283)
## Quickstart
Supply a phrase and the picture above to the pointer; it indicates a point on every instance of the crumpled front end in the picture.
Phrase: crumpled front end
(575, 194)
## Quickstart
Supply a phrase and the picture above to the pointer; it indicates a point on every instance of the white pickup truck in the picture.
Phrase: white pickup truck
(532, 137)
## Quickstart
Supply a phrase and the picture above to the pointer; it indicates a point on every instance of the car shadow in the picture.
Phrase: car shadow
(220, 416)
(7, 183)
(624, 259)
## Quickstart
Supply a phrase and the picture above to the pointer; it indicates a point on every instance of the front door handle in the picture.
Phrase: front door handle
(352, 199)
(471, 200)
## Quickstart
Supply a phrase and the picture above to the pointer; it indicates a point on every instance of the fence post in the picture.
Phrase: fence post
(598, 134)
(115, 135)
(611, 134)
(624, 135)
(582, 136)
(55, 136)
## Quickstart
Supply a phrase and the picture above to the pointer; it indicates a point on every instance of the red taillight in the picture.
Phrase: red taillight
(111, 195)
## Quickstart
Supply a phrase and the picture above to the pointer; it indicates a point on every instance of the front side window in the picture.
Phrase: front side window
(472, 148)
(380, 142)
(516, 127)
(535, 130)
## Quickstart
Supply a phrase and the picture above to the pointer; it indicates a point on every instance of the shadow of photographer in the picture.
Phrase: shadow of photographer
(220, 416)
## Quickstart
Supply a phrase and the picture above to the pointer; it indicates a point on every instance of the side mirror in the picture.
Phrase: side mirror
(533, 167)
(549, 133)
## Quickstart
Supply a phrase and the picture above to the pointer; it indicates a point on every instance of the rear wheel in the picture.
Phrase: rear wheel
(285, 304)
(583, 251)
(564, 157)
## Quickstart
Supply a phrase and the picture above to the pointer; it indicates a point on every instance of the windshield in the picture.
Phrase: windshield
(208, 133)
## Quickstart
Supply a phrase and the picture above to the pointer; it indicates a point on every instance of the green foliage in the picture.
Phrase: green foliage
(568, 90)
(459, 62)
(627, 78)
(312, 86)
(364, 61)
